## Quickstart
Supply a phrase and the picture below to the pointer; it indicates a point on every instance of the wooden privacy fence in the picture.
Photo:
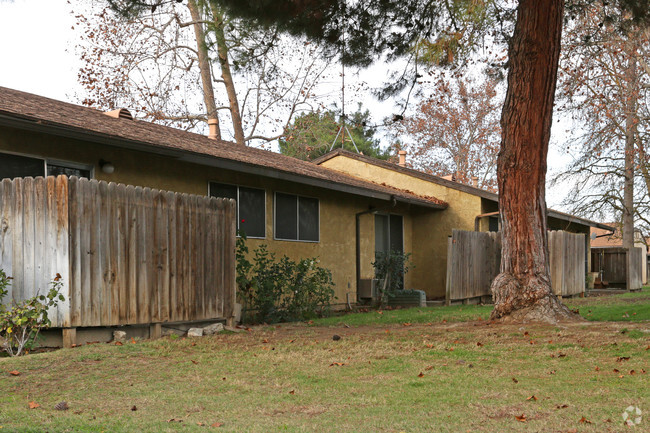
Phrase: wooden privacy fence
(617, 268)
(474, 260)
(127, 255)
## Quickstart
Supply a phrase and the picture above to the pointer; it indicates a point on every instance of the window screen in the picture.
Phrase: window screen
(251, 213)
(296, 218)
(286, 216)
(251, 207)
(12, 166)
(396, 234)
(56, 170)
(308, 219)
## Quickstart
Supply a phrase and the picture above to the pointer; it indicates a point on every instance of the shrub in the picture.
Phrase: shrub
(281, 290)
(390, 268)
(20, 323)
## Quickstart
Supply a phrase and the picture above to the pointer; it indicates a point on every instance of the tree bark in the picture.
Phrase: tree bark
(222, 52)
(204, 67)
(630, 135)
(522, 291)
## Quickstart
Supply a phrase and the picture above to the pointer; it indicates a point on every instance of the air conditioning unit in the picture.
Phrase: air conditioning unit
(368, 288)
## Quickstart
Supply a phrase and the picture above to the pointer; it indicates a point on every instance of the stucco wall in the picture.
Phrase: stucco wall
(336, 248)
(429, 229)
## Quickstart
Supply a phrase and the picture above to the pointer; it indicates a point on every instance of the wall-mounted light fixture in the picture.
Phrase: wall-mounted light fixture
(106, 166)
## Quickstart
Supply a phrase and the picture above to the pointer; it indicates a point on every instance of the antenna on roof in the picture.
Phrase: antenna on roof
(343, 128)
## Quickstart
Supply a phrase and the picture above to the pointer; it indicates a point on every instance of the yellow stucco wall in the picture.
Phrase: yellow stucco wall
(429, 229)
(336, 248)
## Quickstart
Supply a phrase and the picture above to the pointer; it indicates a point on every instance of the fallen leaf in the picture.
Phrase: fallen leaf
(514, 379)
(407, 324)
(134, 408)
(521, 418)
(265, 340)
(216, 424)
(532, 397)
(561, 406)
(632, 372)
(526, 333)
(339, 364)
(292, 392)
(429, 368)
(223, 378)
(33, 405)
(479, 344)
(584, 420)
(199, 423)
(421, 374)
(597, 368)
(429, 346)
(194, 362)
(118, 343)
(15, 373)
(615, 370)
(622, 358)
(174, 420)
(561, 355)
(132, 340)
(551, 372)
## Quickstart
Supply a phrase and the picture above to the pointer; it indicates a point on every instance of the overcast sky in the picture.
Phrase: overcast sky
(37, 55)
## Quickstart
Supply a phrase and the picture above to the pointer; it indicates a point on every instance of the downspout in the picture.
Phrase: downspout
(477, 220)
(393, 203)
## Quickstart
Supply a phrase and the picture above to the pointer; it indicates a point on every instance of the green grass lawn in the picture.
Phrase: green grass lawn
(420, 370)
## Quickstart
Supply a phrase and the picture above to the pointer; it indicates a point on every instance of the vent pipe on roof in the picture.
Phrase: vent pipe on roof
(402, 158)
(121, 113)
(213, 129)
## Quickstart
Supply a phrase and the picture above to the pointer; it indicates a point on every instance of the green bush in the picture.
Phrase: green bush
(21, 322)
(281, 290)
(390, 268)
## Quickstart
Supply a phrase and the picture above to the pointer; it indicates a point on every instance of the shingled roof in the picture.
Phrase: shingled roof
(37, 113)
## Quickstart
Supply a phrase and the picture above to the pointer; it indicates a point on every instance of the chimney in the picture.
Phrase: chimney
(213, 129)
(121, 113)
(402, 158)
(451, 177)
(475, 181)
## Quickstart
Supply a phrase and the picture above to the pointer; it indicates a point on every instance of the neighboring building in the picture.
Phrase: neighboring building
(613, 238)
(469, 208)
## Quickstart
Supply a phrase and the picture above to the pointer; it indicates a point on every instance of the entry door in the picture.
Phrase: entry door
(389, 235)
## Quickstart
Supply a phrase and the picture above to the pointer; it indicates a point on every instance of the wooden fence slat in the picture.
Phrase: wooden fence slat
(473, 261)
(127, 255)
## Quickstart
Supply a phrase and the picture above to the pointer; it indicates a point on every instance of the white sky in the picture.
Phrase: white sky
(37, 56)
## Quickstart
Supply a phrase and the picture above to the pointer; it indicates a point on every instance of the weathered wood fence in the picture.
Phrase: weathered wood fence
(617, 268)
(474, 260)
(127, 255)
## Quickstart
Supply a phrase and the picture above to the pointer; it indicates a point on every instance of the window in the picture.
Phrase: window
(12, 166)
(296, 218)
(251, 207)
(59, 169)
(389, 234)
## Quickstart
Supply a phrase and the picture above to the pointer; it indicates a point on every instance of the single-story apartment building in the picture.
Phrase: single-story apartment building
(342, 208)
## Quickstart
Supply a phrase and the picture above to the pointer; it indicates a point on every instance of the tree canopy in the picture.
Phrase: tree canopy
(312, 134)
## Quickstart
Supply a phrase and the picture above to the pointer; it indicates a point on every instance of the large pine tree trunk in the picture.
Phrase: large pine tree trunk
(522, 291)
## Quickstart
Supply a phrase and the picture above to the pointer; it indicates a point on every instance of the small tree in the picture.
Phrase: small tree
(390, 268)
(21, 322)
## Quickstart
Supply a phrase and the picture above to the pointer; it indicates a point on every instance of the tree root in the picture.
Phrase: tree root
(517, 301)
